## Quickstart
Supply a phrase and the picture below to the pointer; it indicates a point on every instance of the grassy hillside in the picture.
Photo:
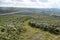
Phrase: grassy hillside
(29, 27)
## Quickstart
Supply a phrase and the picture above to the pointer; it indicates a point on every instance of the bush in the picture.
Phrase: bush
(52, 28)
(11, 32)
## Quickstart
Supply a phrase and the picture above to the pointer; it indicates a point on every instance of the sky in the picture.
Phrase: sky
(30, 3)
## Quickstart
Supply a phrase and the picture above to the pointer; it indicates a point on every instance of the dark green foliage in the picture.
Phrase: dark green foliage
(52, 28)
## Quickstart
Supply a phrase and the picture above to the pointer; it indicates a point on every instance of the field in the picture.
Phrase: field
(29, 27)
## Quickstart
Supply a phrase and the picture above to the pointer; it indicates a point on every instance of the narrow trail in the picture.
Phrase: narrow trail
(32, 33)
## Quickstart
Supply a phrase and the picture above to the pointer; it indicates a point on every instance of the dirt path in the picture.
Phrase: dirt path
(32, 33)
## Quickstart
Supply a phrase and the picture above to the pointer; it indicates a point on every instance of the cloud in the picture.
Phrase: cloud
(43, 0)
(30, 4)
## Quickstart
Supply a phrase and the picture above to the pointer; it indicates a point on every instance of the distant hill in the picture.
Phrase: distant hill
(43, 11)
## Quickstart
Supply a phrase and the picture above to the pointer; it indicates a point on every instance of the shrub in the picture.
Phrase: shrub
(11, 32)
(52, 28)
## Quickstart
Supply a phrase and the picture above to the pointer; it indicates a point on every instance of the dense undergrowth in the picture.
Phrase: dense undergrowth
(46, 26)
(24, 27)
(11, 27)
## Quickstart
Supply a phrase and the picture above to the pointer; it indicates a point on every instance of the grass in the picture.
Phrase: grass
(30, 33)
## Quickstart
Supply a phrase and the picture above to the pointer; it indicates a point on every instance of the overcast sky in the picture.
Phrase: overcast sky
(30, 3)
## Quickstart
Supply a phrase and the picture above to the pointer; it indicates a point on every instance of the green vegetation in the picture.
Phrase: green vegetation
(29, 27)
(46, 26)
